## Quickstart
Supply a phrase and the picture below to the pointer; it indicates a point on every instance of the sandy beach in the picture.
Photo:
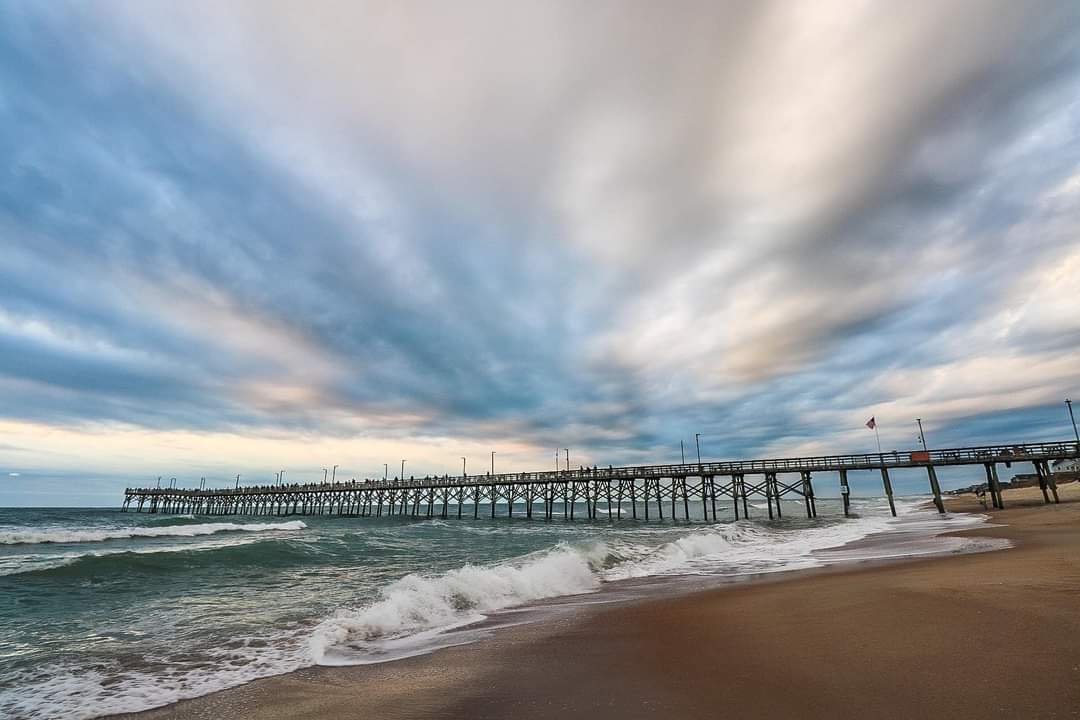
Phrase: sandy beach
(993, 634)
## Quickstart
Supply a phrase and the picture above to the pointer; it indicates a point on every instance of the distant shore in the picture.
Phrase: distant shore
(982, 635)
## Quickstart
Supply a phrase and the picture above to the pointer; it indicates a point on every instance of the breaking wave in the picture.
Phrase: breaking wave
(84, 536)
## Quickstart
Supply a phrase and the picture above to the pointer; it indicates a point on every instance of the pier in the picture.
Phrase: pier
(642, 492)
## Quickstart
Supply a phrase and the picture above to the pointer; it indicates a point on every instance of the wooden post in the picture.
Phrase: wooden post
(888, 489)
(806, 493)
(712, 495)
(685, 500)
(935, 488)
(646, 488)
(742, 491)
(768, 493)
(1042, 481)
(777, 495)
(1050, 481)
(845, 492)
(633, 497)
(735, 496)
(997, 486)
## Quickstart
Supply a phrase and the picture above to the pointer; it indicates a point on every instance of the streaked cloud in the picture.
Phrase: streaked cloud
(409, 225)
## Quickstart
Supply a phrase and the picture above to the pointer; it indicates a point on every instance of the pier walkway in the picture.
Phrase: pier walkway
(644, 490)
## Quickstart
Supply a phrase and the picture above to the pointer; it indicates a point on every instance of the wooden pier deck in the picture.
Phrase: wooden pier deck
(641, 492)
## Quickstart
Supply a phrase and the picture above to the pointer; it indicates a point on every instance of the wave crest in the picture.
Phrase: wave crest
(416, 603)
(87, 535)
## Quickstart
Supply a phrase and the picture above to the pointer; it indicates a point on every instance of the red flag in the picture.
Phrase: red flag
(871, 423)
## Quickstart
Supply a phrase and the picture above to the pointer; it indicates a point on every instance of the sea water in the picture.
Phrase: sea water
(104, 612)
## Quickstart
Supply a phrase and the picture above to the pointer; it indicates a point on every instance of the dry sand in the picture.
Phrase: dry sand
(965, 636)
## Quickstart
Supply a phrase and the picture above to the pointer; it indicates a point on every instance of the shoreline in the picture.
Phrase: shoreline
(970, 635)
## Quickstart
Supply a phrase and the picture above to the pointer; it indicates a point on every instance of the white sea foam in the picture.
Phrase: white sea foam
(63, 692)
(33, 537)
(417, 603)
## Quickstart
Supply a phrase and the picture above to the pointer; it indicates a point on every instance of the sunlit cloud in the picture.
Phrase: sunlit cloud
(246, 235)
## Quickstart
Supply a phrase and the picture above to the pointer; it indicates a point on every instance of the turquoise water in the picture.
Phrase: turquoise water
(104, 612)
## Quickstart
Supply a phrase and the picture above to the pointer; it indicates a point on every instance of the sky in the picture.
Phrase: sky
(240, 237)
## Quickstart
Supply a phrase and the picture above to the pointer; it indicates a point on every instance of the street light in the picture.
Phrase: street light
(463, 473)
(282, 475)
(324, 473)
(697, 441)
(567, 459)
(333, 475)
(237, 481)
(385, 471)
(682, 449)
(922, 436)
(492, 462)
(402, 471)
(1072, 417)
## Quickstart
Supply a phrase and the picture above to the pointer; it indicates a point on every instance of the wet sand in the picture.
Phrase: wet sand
(993, 634)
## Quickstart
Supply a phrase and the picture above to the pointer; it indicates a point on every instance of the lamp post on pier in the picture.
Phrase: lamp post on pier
(1068, 403)
(385, 471)
(237, 481)
(697, 441)
(463, 473)
(282, 476)
(402, 471)
(922, 436)
(567, 450)
(333, 475)
(492, 462)
(682, 451)
(324, 472)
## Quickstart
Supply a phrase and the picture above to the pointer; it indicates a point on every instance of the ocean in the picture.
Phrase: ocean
(104, 612)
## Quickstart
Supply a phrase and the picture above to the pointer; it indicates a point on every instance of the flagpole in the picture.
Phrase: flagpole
(878, 438)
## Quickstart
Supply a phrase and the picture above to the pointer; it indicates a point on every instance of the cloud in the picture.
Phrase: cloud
(620, 223)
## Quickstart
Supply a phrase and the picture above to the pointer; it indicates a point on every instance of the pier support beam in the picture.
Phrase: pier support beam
(742, 494)
(1051, 480)
(887, 484)
(1046, 480)
(993, 486)
(769, 494)
(935, 488)
(808, 495)
(845, 493)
